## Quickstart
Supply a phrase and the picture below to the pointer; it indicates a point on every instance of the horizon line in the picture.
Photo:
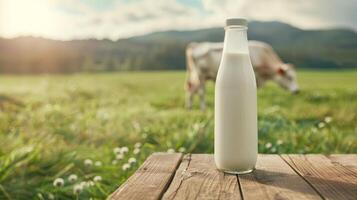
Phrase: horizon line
(169, 30)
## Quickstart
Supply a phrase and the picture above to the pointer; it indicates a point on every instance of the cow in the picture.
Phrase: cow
(202, 62)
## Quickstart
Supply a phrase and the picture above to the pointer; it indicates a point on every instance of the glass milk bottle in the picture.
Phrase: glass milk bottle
(235, 142)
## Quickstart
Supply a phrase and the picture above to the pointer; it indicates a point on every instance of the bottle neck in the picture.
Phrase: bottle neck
(235, 40)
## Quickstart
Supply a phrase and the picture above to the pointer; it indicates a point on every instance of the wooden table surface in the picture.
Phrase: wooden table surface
(194, 176)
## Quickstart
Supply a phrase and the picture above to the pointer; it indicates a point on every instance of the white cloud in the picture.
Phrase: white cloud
(66, 19)
(140, 17)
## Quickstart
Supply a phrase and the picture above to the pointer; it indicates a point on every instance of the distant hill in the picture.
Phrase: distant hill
(324, 49)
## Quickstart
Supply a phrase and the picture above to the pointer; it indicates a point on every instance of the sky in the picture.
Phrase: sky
(113, 19)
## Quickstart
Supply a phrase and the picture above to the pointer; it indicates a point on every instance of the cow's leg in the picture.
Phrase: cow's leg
(202, 94)
(191, 90)
(189, 99)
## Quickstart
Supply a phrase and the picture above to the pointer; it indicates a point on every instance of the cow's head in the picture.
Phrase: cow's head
(286, 77)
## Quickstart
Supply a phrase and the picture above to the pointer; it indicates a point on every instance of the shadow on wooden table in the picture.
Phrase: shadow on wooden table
(272, 180)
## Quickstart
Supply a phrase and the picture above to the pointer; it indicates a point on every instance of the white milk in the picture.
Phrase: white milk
(235, 107)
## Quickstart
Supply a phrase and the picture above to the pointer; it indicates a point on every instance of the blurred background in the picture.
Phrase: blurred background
(90, 88)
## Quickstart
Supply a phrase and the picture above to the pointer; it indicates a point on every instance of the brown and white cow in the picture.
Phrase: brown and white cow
(202, 60)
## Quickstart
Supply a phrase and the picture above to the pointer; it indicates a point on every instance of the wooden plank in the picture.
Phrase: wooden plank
(198, 178)
(151, 179)
(347, 160)
(274, 179)
(331, 180)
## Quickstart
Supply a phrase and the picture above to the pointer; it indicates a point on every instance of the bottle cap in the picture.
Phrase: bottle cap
(236, 22)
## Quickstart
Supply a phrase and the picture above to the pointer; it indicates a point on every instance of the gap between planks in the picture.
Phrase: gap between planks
(151, 180)
(169, 176)
(198, 178)
(274, 179)
(334, 177)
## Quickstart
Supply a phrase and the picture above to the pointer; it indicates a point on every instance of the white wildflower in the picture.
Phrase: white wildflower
(314, 130)
(77, 188)
(136, 151)
(114, 162)
(119, 156)
(97, 178)
(51, 196)
(98, 163)
(124, 150)
(132, 160)
(117, 150)
(137, 145)
(182, 149)
(171, 150)
(279, 142)
(40, 195)
(321, 125)
(72, 178)
(328, 119)
(88, 162)
(268, 145)
(90, 183)
(273, 150)
(83, 184)
(145, 135)
(59, 182)
(126, 166)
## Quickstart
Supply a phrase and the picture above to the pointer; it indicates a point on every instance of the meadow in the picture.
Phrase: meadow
(80, 136)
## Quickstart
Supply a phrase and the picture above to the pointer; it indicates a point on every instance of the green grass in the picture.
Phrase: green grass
(50, 124)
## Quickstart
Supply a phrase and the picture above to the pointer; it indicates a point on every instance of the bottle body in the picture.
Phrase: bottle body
(236, 137)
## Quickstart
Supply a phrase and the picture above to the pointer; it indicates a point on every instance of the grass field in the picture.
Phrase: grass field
(49, 126)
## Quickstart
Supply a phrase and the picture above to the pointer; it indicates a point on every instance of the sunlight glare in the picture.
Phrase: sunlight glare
(25, 17)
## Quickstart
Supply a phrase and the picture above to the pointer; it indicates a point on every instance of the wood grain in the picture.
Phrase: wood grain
(198, 178)
(168, 176)
(347, 160)
(274, 179)
(331, 180)
(151, 179)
